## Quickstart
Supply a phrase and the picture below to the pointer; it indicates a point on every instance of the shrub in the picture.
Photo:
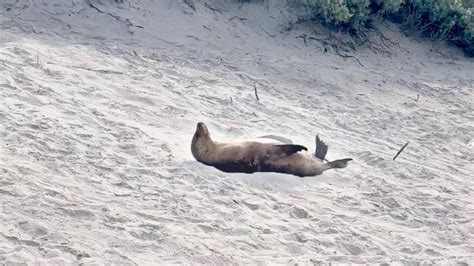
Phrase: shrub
(349, 14)
(331, 12)
(385, 7)
(444, 19)
(451, 20)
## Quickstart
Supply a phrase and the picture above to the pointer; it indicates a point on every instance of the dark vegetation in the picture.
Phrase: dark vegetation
(450, 20)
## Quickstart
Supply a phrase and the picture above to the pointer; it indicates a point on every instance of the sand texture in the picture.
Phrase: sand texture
(99, 101)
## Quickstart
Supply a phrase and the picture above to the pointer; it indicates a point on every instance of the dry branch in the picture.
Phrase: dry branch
(217, 10)
(349, 56)
(256, 93)
(239, 18)
(191, 4)
(400, 151)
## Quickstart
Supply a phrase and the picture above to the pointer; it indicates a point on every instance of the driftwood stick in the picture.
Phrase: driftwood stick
(346, 56)
(400, 151)
(234, 17)
(191, 4)
(256, 93)
(212, 8)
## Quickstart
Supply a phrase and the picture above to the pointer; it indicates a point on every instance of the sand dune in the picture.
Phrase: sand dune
(99, 104)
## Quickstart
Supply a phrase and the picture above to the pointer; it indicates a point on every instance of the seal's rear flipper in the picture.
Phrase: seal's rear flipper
(321, 149)
(279, 151)
(342, 163)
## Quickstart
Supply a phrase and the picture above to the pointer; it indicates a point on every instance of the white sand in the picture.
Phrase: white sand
(97, 111)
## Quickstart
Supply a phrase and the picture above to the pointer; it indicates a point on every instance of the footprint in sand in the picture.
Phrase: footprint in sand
(78, 214)
(32, 229)
(299, 212)
(371, 159)
(252, 206)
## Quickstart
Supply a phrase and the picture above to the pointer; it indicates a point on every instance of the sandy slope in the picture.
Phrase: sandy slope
(98, 109)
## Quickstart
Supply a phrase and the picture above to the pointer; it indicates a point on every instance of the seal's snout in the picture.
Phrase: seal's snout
(201, 129)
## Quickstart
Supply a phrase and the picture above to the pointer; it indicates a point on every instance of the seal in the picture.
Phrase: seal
(265, 154)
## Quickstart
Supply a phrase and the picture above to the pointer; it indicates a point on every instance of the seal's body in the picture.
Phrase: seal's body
(260, 155)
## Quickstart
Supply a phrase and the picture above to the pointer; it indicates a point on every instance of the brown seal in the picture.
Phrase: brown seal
(269, 155)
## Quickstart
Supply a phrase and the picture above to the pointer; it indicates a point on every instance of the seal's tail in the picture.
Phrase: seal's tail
(341, 163)
(321, 149)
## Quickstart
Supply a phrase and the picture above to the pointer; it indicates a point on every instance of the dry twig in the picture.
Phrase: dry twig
(217, 10)
(400, 151)
(256, 93)
(347, 56)
(239, 18)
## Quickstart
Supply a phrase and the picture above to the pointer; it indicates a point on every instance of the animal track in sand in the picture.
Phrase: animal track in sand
(32, 229)
(298, 212)
(78, 213)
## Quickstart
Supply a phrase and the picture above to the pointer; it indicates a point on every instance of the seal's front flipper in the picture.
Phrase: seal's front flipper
(342, 163)
(290, 148)
(279, 151)
(321, 149)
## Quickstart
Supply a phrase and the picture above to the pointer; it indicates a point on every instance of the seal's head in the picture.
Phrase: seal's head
(201, 131)
(202, 142)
